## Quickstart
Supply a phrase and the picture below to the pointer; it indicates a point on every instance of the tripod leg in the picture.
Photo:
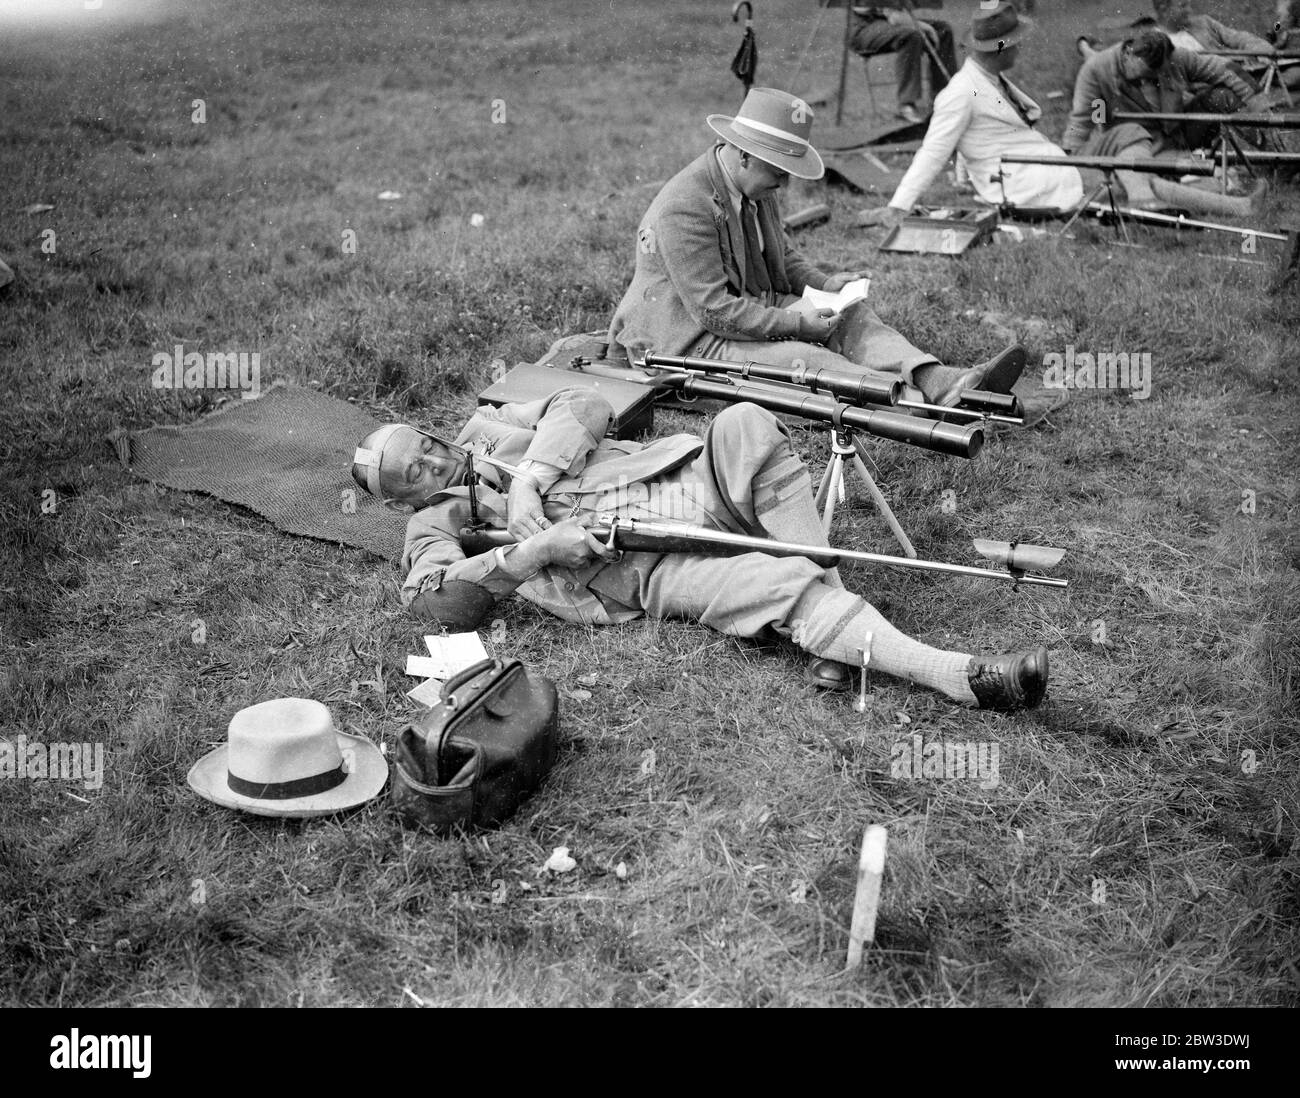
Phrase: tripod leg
(831, 490)
(882, 504)
(1088, 201)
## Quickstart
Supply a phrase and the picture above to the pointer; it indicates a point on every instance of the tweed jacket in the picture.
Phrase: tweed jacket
(689, 277)
(1101, 82)
(973, 116)
(563, 431)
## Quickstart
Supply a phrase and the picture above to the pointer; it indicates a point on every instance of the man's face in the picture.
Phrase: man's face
(1132, 66)
(415, 467)
(1007, 56)
(1174, 13)
(758, 179)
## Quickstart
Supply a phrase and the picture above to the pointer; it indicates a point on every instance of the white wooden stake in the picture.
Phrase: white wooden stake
(871, 869)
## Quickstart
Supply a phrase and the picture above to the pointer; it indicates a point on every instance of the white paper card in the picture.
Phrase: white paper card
(455, 652)
(428, 693)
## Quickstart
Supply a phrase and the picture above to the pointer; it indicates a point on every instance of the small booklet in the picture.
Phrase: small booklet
(813, 300)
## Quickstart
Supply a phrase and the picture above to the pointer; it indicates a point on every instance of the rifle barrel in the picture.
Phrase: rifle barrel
(959, 440)
(1185, 165)
(637, 536)
(847, 385)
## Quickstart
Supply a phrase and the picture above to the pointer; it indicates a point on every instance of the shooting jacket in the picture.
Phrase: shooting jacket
(689, 278)
(974, 116)
(564, 431)
(1101, 82)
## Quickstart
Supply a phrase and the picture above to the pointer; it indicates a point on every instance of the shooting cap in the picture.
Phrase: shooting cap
(368, 459)
(775, 127)
(993, 31)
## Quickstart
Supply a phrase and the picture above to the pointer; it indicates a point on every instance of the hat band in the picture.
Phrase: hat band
(283, 791)
(770, 137)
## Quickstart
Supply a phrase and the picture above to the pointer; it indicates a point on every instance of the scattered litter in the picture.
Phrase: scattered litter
(476, 221)
(418, 1001)
(579, 695)
(588, 680)
(799, 893)
(1056, 94)
(525, 886)
(620, 871)
(558, 862)
(389, 196)
(648, 762)
(455, 652)
(76, 798)
(37, 208)
(428, 693)
(122, 945)
(903, 718)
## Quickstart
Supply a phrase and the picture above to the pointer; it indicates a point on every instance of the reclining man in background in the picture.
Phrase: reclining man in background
(892, 28)
(1146, 72)
(982, 115)
(743, 476)
(714, 272)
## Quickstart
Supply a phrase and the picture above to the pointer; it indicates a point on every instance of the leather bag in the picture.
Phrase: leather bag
(480, 751)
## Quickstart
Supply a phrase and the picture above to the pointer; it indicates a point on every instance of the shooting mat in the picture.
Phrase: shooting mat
(286, 455)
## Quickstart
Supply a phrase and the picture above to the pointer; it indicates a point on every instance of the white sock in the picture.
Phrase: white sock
(834, 623)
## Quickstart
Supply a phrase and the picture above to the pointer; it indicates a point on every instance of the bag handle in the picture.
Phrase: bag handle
(461, 678)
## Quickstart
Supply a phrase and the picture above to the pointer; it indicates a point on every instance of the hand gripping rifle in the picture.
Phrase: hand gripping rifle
(637, 536)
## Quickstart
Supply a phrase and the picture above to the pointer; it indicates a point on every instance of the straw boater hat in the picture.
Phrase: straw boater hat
(997, 29)
(773, 126)
(284, 758)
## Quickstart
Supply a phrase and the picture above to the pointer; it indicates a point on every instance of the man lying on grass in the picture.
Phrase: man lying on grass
(716, 278)
(743, 476)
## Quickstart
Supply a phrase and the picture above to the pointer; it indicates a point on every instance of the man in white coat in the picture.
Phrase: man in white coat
(983, 116)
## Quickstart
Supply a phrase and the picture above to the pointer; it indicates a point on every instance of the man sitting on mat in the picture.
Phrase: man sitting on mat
(715, 274)
(743, 477)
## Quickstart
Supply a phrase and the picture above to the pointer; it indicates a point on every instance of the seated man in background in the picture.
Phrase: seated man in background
(982, 115)
(1147, 73)
(715, 274)
(1196, 33)
(743, 476)
(892, 28)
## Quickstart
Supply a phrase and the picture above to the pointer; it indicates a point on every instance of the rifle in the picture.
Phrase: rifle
(638, 536)
(801, 399)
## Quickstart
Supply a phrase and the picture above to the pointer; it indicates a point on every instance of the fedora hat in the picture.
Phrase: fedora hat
(773, 126)
(997, 29)
(284, 758)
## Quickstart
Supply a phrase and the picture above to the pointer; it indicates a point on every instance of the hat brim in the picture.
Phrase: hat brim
(364, 781)
(809, 166)
(993, 45)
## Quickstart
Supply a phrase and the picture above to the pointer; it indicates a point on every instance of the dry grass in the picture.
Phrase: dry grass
(227, 236)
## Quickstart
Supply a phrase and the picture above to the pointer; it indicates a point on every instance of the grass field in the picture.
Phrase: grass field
(1140, 846)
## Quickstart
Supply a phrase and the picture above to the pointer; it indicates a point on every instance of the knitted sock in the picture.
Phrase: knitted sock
(934, 380)
(834, 624)
(784, 507)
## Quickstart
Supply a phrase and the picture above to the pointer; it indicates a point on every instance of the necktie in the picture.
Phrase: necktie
(1014, 100)
(757, 280)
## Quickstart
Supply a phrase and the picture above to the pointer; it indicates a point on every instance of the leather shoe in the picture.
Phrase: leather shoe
(828, 674)
(1017, 680)
(997, 375)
